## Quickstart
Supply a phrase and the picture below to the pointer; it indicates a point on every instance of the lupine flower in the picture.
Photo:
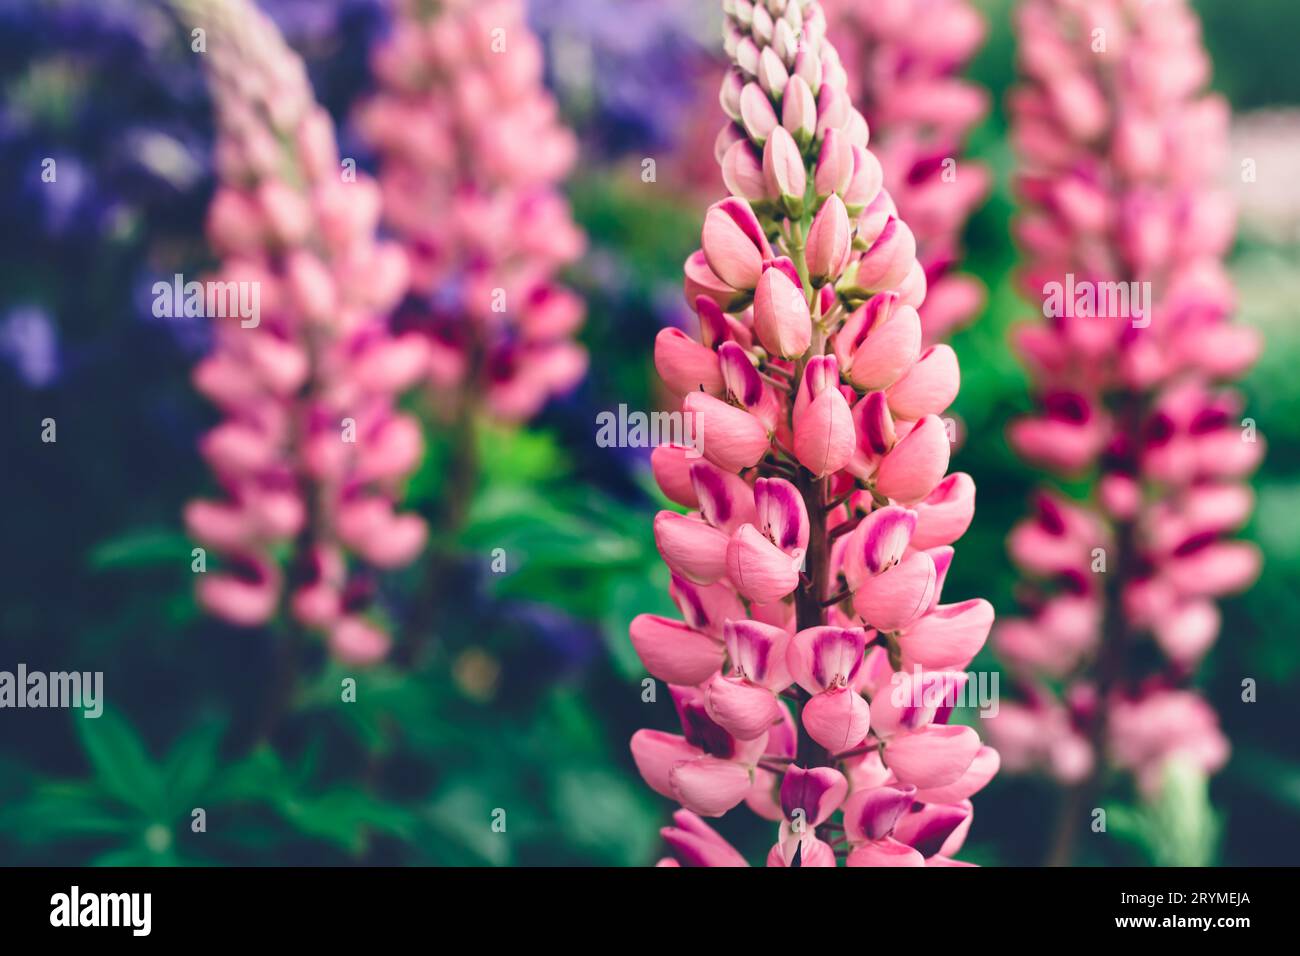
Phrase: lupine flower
(311, 447)
(903, 58)
(1120, 152)
(29, 343)
(809, 568)
(471, 151)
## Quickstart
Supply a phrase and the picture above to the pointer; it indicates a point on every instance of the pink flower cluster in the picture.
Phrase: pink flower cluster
(1121, 153)
(310, 449)
(471, 152)
(815, 668)
(905, 56)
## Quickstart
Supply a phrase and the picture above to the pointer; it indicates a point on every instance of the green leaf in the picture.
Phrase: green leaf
(630, 595)
(259, 777)
(120, 761)
(147, 547)
(192, 763)
(462, 815)
(64, 811)
(608, 815)
(517, 456)
(1270, 776)
(130, 856)
(341, 817)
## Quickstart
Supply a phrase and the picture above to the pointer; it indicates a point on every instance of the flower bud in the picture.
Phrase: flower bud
(799, 111)
(734, 244)
(742, 172)
(835, 165)
(783, 171)
(772, 75)
(756, 113)
(828, 243)
(781, 317)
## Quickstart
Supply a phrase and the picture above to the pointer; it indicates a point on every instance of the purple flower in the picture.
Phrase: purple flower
(29, 344)
(628, 70)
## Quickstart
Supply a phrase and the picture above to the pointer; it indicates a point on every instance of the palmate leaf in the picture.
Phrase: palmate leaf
(260, 777)
(337, 816)
(121, 763)
(388, 700)
(59, 811)
(192, 763)
(343, 815)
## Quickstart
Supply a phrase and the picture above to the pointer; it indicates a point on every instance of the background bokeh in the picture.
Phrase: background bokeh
(530, 689)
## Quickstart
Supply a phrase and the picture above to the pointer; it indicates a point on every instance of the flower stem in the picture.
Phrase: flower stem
(1110, 670)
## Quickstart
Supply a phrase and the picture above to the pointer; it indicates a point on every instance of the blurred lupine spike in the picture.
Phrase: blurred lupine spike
(311, 449)
(903, 58)
(1124, 228)
(802, 576)
(471, 154)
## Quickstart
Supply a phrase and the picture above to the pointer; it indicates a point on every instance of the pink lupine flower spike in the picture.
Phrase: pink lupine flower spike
(311, 448)
(809, 566)
(1124, 229)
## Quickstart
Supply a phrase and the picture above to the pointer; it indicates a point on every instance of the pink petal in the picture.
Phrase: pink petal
(884, 853)
(982, 769)
(673, 652)
(671, 466)
(744, 710)
(820, 658)
(685, 365)
(935, 829)
(759, 569)
(948, 637)
(837, 719)
(945, 513)
(916, 465)
(888, 350)
(824, 435)
(655, 753)
(691, 546)
(731, 437)
(695, 843)
(871, 814)
(934, 756)
(891, 600)
(757, 652)
(782, 514)
(929, 387)
(781, 317)
(726, 500)
(708, 785)
(818, 792)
